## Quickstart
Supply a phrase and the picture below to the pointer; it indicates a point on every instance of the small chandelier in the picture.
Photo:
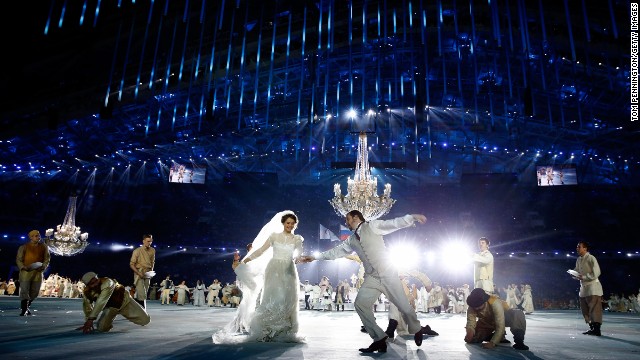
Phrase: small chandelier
(67, 239)
(362, 190)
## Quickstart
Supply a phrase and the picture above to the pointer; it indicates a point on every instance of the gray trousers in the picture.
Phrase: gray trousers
(29, 290)
(368, 294)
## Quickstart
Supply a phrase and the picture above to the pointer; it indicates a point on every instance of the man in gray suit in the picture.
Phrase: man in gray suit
(380, 277)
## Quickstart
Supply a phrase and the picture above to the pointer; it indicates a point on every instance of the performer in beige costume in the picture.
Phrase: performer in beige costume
(32, 259)
(487, 318)
(143, 260)
(212, 295)
(166, 285)
(590, 288)
(104, 298)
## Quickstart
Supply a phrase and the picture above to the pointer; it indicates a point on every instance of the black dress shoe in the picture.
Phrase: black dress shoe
(520, 346)
(418, 337)
(379, 346)
(426, 330)
(362, 329)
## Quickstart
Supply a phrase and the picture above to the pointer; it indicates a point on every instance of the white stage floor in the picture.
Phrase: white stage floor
(184, 332)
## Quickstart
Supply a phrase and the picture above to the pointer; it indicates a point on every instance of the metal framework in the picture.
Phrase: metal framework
(448, 87)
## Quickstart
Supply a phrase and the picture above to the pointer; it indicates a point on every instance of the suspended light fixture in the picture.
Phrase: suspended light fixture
(362, 190)
(67, 239)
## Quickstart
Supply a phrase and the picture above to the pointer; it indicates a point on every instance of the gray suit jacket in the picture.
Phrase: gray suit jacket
(371, 247)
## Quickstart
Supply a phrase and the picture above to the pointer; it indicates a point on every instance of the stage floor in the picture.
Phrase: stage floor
(184, 332)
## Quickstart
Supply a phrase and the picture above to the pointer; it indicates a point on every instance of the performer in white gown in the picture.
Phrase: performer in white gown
(198, 294)
(527, 300)
(268, 273)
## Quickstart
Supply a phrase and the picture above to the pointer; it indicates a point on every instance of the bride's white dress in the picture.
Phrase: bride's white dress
(276, 317)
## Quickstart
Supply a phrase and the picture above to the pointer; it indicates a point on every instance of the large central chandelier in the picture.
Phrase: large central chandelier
(67, 239)
(362, 190)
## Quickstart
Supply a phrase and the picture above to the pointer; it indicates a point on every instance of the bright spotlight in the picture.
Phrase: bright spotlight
(404, 256)
(431, 257)
(455, 256)
(119, 247)
(351, 113)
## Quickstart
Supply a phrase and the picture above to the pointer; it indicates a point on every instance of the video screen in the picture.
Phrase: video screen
(557, 175)
(187, 173)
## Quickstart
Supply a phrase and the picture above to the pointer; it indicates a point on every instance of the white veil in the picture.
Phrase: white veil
(257, 266)
(274, 225)
(251, 280)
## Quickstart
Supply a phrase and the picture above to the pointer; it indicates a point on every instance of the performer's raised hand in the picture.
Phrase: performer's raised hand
(420, 218)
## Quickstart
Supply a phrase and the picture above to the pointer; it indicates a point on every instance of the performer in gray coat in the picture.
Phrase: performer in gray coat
(380, 277)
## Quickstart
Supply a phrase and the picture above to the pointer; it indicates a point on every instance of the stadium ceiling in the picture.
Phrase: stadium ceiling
(449, 87)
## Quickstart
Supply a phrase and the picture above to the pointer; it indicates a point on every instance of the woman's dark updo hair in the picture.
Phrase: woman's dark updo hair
(287, 216)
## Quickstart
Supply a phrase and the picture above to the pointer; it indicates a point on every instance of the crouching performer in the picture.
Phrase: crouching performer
(487, 318)
(104, 298)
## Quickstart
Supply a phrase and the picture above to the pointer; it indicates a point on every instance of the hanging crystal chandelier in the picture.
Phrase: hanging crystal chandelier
(67, 239)
(362, 190)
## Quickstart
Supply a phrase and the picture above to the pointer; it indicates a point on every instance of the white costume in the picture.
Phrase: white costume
(512, 300)
(198, 294)
(271, 275)
(315, 297)
(424, 299)
(183, 294)
(212, 295)
(483, 271)
(527, 300)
